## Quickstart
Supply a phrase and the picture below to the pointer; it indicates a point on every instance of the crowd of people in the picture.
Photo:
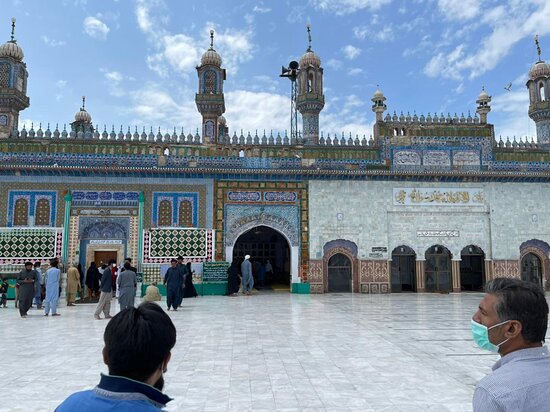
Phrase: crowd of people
(248, 275)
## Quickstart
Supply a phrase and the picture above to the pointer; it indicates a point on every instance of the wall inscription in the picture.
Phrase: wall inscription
(439, 197)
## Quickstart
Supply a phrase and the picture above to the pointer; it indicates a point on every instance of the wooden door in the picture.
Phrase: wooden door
(104, 256)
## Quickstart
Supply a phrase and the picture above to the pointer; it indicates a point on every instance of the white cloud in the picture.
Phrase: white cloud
(355, 71)
(360, 32)
(95, 28)
(260, 9)
(181, 52)
(334, 64)
(52, 42)
(342, 7)
(114, 80)
(235, 46)
(511, 107)
(379, 34)
(257, 110)
(351, 52)
(459, 9)
(60, 84)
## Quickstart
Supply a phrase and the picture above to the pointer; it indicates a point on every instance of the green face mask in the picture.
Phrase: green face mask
(480, 333)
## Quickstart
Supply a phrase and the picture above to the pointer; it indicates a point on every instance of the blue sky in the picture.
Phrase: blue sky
(135, 60)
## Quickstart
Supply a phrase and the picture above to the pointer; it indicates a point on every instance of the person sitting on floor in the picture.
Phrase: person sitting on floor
(152, 293)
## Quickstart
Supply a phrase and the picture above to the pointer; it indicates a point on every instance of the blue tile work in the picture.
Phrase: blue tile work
(32, 197)
(175, 199)
(240, 218)
(104, 198)
(103, 228)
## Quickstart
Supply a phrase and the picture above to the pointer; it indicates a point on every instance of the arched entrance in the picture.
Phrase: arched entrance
(403, 270)
(438, 269)
(531, 268)
(472, 268)
(339, 273)
(265, 244)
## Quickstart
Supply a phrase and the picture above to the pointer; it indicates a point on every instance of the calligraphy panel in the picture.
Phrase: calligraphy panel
(439, 197)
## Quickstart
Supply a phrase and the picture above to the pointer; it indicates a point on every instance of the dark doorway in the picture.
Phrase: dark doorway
(403, 270)
(265, 244)
(104, 256)
(438, 269)
(472, 269)
(339, 273)
(531, 268)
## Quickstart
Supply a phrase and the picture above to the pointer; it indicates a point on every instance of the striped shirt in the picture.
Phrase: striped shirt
(520, 381)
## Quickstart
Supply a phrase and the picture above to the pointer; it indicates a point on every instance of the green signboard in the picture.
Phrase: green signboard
(215, 271)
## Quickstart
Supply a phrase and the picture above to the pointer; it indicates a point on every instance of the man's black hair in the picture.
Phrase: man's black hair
(127, 265)
(54, 262)
(174, 260)
(37, 264)
(138, 340)
(28, 263)
(522, 301)
(180, 257)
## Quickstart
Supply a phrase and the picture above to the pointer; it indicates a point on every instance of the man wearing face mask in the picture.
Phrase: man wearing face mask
(137, 349)
(512, 319)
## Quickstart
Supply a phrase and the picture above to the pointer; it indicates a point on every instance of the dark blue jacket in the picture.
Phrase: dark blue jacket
(116, 393)
(107, 280)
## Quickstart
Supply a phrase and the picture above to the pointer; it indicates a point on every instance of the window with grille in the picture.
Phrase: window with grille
(42, 213)
(4, 75)
(186, 214)
(165, 213)
(21, 213)
(210, 82)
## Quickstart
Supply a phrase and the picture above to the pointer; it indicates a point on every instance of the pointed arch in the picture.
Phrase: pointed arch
(42, 213)
(21, 212)
(185, 214)
(165, 213)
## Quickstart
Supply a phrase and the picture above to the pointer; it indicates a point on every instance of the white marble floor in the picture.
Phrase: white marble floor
(267, 352)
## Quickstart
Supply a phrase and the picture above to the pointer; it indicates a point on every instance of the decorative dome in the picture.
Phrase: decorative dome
(211, 56)
(11, 48)
(378, 94)
(82, 115)
(539, 69)
(222, 121)
(483, 95)
(310, 59)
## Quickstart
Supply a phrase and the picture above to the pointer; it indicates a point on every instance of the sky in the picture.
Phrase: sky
(135, 60)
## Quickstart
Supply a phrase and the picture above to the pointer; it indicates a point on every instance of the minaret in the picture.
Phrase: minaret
(310, 99)
(13, 85)
(82, 121)
(539, 97)
(378, 106)
(483, 107)
(210, 100)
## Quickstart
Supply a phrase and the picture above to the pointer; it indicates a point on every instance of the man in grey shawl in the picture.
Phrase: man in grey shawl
(127, 286)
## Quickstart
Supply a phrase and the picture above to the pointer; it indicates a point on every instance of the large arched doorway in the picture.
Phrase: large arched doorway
(472, 268)
(403, 270)
(264, 245)
(531, 268)
(339, 273)
(438, 276)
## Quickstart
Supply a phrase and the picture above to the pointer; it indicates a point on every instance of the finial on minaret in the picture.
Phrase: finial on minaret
(212, 39)
(13, 29)
(309, 36)
(83, 102)
(538, 45)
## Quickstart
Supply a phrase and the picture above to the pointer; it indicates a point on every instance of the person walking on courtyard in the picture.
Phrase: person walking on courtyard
(38, 286)
(127, 284)
(189, 290)
(233, 281)
(73, 284)
(106, 287)
(184, 274)
(52, 281)
(248, 279)
(152, 293)
(512, 319)
(138, 344)
(25, 280)
(4, 286)
(173, 280)
(92, 281)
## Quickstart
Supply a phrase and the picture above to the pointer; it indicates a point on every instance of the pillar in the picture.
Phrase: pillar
(141, 200)
(66, 228)
(420, 285)
(488, 271)
(455, 275)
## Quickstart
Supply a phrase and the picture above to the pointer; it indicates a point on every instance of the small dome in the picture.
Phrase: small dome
(222, 121)
(378, 93)
(11, 49)
(539, 69)
(83, 116)
(212, 57)
(310, 59)
(483, 95)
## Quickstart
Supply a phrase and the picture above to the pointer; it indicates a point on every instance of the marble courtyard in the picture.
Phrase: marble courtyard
(268, 352)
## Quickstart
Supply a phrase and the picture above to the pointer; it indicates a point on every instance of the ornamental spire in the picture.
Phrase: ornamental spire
(211, 39)
(538, 46)
(13, 30)
(83, 103)
(308, 26)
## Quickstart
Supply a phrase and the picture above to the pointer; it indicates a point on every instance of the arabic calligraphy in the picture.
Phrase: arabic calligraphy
(444, 196)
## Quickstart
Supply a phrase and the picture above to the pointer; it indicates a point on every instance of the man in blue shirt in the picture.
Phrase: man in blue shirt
(512, 319)
(137, 349)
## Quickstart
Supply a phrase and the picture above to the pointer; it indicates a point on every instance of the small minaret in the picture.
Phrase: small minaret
(210, 100)
(483, 107)
(310, 99)
(13, 85)
(378, 105)
(539, 97)
(82, 120)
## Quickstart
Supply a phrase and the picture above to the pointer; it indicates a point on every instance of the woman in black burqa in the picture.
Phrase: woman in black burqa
(233, 281)
(92, 281)
(189, 289)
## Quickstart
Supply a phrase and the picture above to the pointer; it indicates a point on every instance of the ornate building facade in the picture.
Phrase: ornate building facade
(429, 203)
